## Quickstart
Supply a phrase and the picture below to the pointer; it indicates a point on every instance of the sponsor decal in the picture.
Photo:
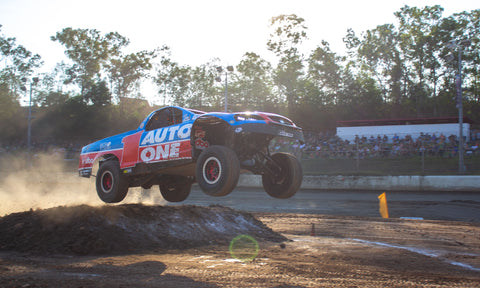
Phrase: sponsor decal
(171, 133)
(105, 146)
(285, 133)
(167, 151)
(88, 160)
(130, 150)
(201, 144)
(199, 133)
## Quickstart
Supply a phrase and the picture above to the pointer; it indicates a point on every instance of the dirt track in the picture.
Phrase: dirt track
(339, 251)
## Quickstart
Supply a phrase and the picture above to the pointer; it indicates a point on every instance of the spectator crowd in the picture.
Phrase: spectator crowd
(326, 145)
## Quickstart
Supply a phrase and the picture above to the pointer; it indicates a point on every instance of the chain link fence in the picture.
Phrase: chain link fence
(423, 156)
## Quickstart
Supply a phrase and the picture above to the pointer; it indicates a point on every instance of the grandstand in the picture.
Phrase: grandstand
(415, 127)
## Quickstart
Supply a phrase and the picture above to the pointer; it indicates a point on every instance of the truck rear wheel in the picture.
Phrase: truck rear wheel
(111, 186)
(217, 170)
(176, 189)
(287, 176)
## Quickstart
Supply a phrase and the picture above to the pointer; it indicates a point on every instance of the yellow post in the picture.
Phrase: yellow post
(383, 205)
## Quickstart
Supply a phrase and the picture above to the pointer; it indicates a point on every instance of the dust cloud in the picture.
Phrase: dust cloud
(51, 181)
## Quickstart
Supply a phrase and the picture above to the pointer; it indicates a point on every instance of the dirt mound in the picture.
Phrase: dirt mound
(126, 228)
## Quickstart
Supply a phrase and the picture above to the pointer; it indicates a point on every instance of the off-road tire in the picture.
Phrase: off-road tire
(175, 189)
(288, 178)
(217, 170)
(112, 187)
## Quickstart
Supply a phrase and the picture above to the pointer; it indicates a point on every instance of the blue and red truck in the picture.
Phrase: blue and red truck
(175, 147)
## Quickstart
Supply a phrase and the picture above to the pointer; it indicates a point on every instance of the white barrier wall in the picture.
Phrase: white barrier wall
(348, 133)
(381, 183)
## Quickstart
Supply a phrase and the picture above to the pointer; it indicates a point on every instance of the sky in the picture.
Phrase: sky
(198, 30)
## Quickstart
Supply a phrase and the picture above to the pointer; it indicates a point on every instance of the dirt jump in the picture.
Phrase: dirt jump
(134, 245)
(129, 228)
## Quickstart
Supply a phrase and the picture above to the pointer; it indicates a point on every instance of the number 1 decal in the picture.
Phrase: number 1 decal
(130, 150)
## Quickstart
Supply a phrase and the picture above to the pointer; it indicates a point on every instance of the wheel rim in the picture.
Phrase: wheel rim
(278, 176)
(107, 181)
(212, 170)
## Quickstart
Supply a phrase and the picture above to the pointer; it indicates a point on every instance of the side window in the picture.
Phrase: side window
(177, 116)
(163, 118)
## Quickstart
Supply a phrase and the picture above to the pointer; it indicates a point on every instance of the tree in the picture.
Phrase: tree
(367, 98)
(126, 71)
(377, 54)
(172, 79)
(11, 116)
(463, 27)
(189, 86)
(324, 72)
(418, 32)
(52, 99)
(89, 51)
(18, 63)
(98, 94)
(18, 60)
(289, 31)
(202, 92)
(253, 83)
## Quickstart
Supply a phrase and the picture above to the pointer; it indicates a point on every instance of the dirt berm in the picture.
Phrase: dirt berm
(130, 228)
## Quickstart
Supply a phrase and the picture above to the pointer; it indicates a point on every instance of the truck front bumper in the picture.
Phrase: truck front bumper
(85, 172)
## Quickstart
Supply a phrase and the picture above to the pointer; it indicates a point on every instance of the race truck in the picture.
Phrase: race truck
(175, 147)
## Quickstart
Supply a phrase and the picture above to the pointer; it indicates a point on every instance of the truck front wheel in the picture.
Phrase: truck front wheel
(217, 170)
(286, 178)
(176, 188)
(111, 186)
